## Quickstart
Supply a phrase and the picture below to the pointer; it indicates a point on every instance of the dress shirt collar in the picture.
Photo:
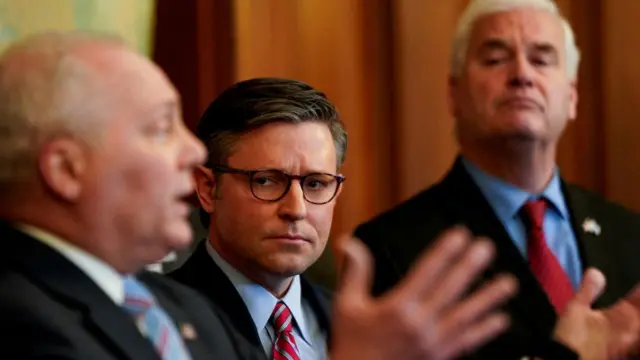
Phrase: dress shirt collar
(258, 300)
(507, 199)
(106, 277)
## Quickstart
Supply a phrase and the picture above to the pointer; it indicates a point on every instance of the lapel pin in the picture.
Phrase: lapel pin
(188, 332)
(591, 226)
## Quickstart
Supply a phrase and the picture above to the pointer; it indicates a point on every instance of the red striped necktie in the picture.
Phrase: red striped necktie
(284, 348)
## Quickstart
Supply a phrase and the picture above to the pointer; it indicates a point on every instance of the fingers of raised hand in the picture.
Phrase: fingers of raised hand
(472, 336)
(433, 266)
(471, 322)
(462, 271)
(624, 325)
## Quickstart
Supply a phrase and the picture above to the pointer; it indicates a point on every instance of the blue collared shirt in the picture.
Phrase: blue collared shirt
(506, 201)
(309, 337)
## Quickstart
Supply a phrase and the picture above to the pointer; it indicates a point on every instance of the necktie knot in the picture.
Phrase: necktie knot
(137, 298)
(533, 211)
(281, 318)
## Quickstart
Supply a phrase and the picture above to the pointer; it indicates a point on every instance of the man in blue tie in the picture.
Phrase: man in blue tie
(95, 165)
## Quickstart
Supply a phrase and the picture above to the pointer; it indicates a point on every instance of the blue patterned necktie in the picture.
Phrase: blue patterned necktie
(157, 325)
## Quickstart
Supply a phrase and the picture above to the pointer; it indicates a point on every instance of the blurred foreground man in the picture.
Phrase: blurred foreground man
(95, 163)
(513, 90)
(268, 192)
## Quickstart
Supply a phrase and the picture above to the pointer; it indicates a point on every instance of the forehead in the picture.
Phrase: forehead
(519, 27)
(286, 146)
(133, 81)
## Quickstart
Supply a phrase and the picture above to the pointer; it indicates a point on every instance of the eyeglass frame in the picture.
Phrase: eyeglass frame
(301, 178)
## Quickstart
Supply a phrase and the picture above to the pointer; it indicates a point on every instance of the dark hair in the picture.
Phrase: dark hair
(253, 103)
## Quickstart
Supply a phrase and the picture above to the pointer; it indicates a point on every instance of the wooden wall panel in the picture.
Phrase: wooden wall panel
(424, 127)
(621, 99)
(580, 154)
(385, 64)
(327, 44)
(194, 45)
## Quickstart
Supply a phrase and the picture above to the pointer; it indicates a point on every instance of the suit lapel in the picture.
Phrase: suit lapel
(181, 321)
(110, 324)
(320, 303)
(465, 199)
(209, 279)
(204, 275)
(594, 247)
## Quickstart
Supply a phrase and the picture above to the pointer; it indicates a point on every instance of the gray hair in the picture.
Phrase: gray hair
(478, 8)
(46, 89)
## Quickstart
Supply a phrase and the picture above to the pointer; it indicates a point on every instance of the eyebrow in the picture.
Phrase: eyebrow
(493, 44)
(499, 44)
(545, 48)
(302, 173)
(166, 108)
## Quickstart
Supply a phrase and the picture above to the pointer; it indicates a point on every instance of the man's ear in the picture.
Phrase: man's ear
(62, 163)
(452, 88)
(573, 100)
(339, 190)
(205, 188)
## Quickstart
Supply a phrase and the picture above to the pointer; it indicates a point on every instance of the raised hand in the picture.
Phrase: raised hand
(610, 333)
(426, 315)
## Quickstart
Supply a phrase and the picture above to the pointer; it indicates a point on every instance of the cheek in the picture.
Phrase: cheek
(486, 92)
(143, 192)
(479, 98)
(559, 98)
(150, 181)
(320, 217)
(236, 213)
(483, 83)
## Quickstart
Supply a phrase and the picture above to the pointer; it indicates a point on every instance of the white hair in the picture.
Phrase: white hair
(479, 8)
(45, 89)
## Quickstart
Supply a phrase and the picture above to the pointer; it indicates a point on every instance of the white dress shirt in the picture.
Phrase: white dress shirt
(309, 337)
(106, 277)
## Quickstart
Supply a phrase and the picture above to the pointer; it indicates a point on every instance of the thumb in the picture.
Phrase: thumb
(356, 273)
(592, 286)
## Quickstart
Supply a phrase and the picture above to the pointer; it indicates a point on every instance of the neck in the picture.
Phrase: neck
(48, 218)
(528, 165)
(276, 284)
(66, 224)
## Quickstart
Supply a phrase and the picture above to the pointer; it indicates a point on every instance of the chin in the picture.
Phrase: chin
(288, 267)
(520, 132)
(525, 122)
(179, 236)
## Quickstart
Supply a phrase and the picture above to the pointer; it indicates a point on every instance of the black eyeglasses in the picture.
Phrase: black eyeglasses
(272, 185)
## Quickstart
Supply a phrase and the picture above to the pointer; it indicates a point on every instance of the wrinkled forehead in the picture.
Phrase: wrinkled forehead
(518, 29)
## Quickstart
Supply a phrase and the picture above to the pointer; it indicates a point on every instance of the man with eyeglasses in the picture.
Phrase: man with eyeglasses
(268, 191)
(265, 229)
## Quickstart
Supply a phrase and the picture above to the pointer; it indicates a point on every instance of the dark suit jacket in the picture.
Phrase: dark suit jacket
(398, 236)
(51, 310)
(203, 274)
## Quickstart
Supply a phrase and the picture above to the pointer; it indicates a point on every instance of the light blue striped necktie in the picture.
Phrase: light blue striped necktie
(158, 327)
